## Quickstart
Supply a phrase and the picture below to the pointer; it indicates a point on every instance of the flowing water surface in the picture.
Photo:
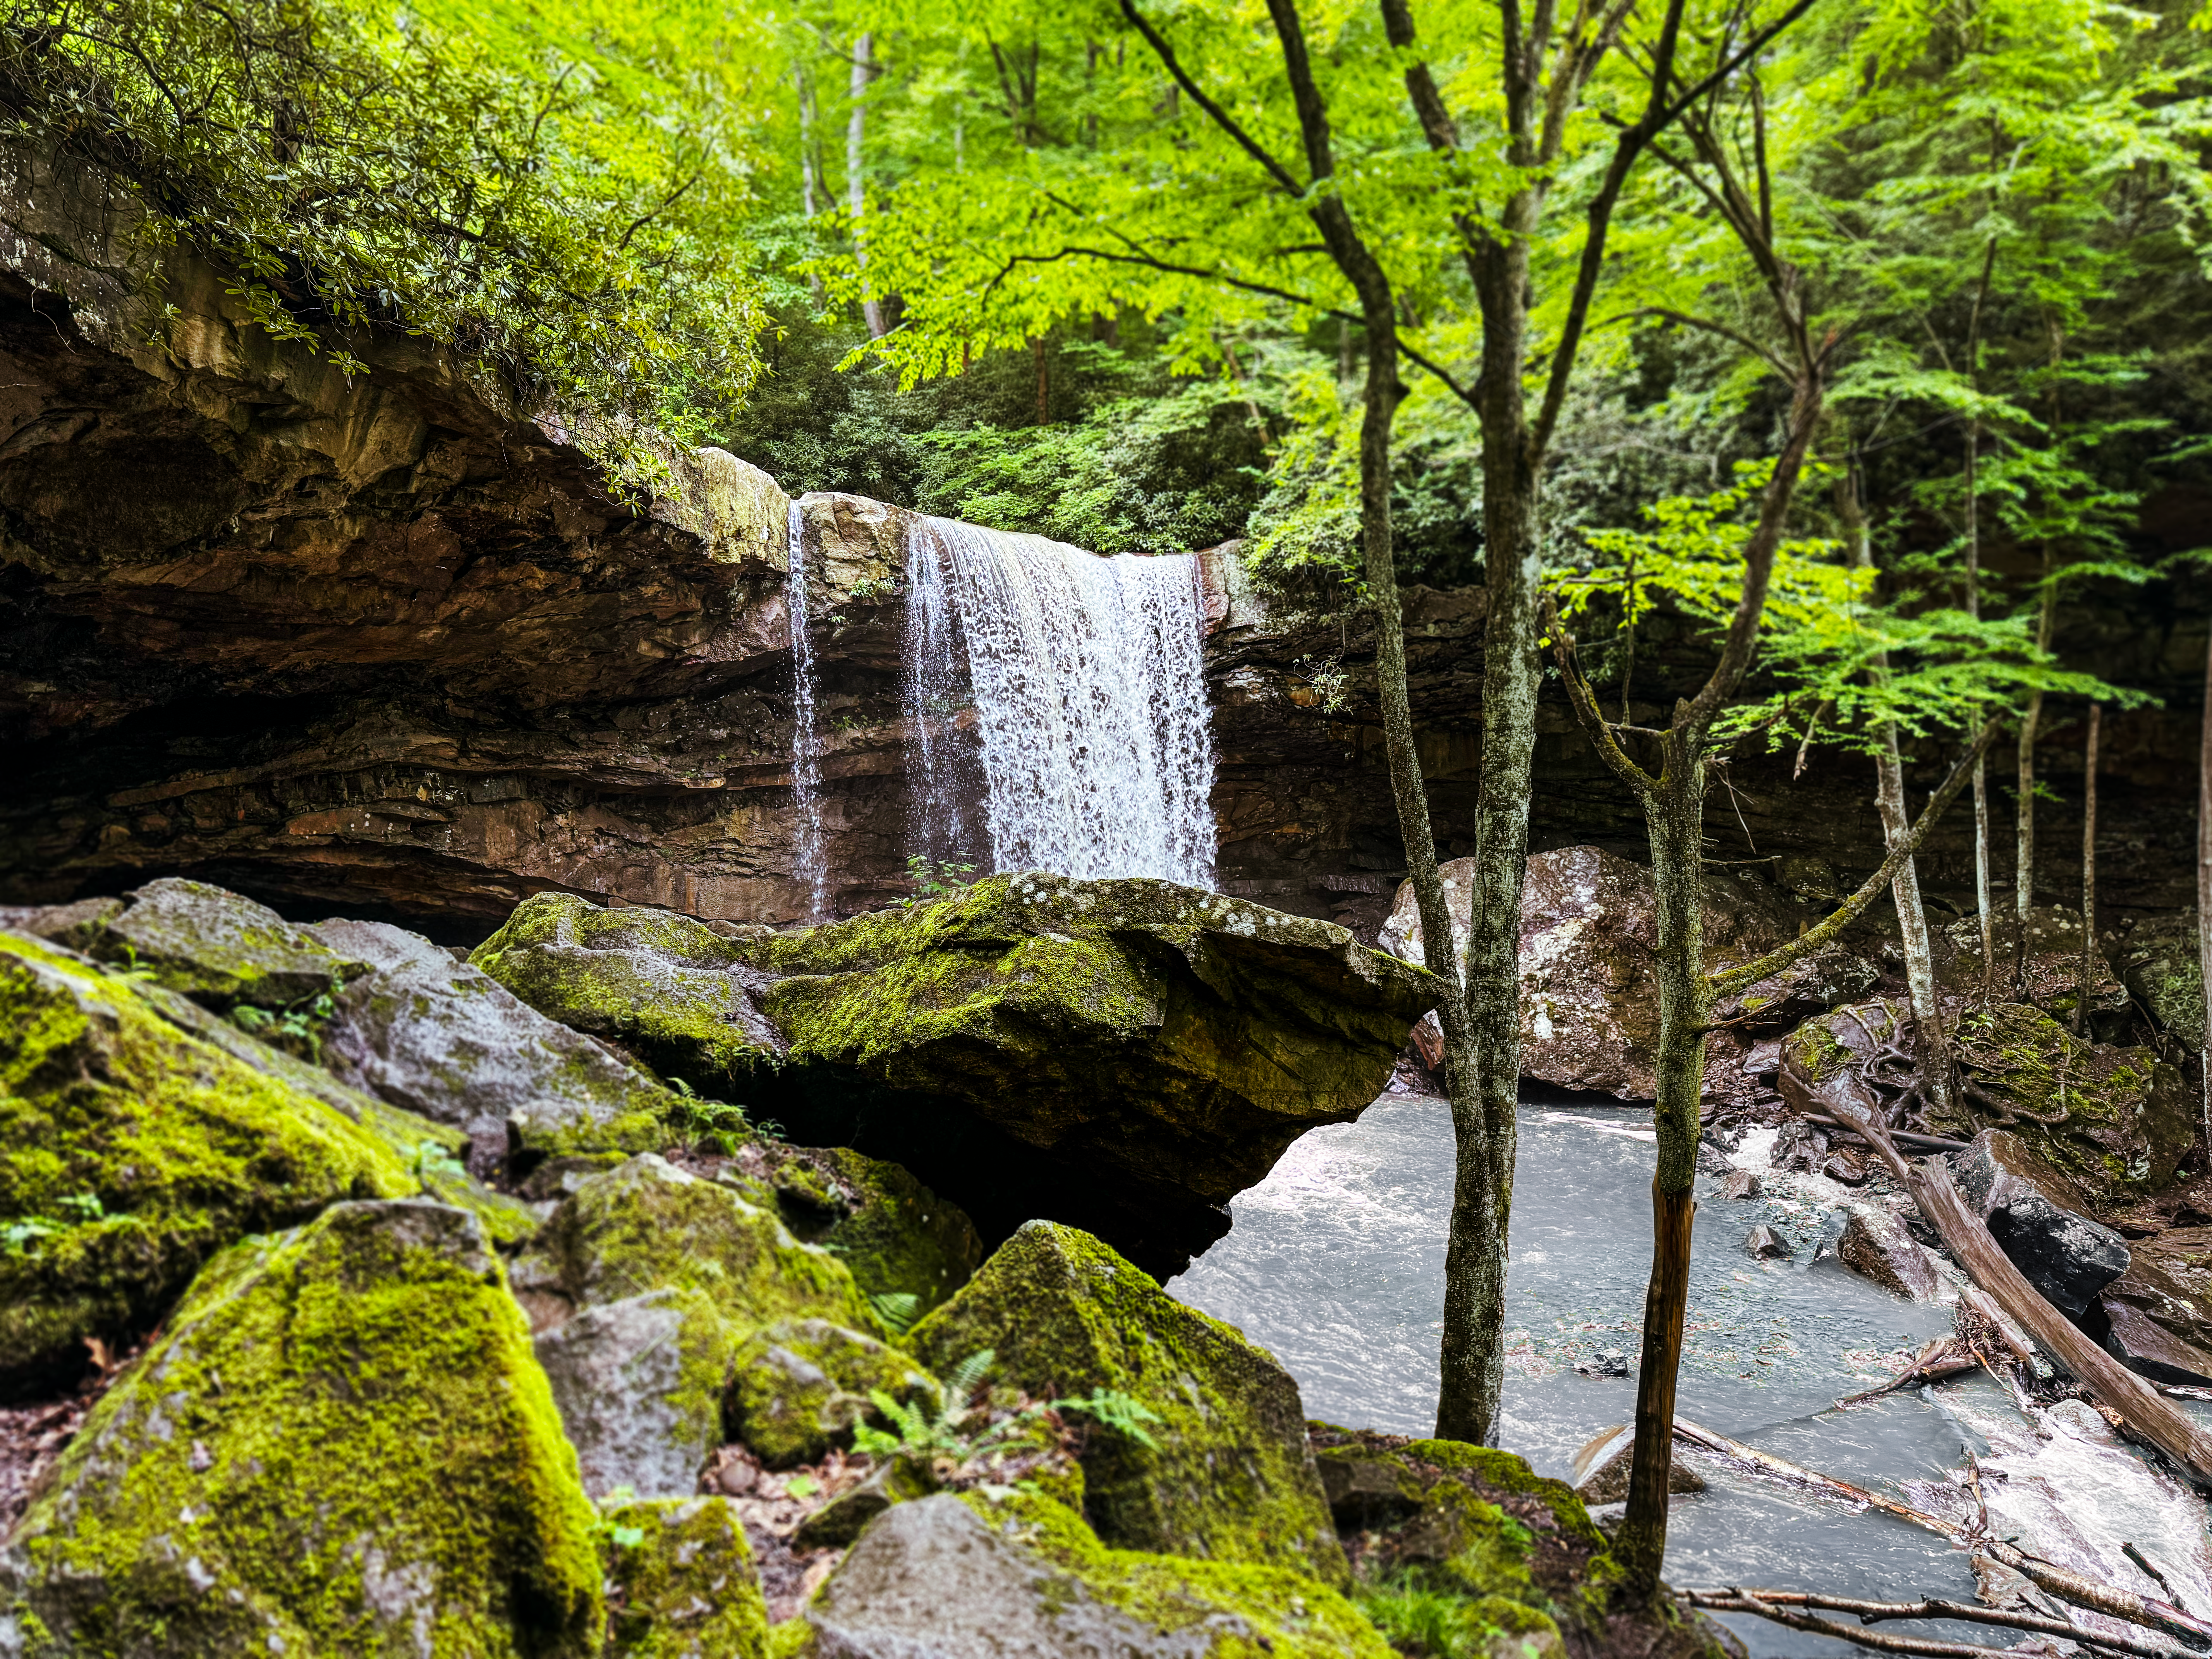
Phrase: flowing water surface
(1335, 1263)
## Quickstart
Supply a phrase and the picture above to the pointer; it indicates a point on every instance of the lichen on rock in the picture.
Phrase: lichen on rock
(131, 1150)
(666, 985)
(215, 946)
(681, 1582)
(647, 1225)
(340, 1444)
(1229, 1476)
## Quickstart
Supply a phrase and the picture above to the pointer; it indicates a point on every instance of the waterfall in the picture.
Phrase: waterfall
(1088, 686)
(807, 861)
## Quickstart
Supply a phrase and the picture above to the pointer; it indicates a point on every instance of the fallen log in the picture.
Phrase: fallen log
(1947, 1356)
(2110, 1600)
(2147, 1416)
(1774, 1604)
(1907, 1137)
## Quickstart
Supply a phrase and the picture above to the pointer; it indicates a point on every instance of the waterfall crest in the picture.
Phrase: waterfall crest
(806, 860)
(1088, 684)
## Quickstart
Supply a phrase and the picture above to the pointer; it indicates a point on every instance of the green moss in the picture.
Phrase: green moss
(799, 1385)
(217, 947)
(1249, 1610)
(1231, 1476)
(653, 981)
(681, 1578)
(130, 1152)
(260, 1478)
(1509, 1472)
(898, 1237)
(647, 1224)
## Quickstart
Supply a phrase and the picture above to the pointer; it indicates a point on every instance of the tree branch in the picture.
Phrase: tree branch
(1733, 1600)
(1220, 116)
(1728, 981)
(1587, 712)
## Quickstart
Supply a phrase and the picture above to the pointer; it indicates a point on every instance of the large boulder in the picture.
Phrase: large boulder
(681, 1582)
(799, 1386)
(639, 1384)
(340, 1444)
(2158, 961)
(970, 1578)
(131, 1151)
(1227, 1473)
(445, 1040)
(2168, 1285)
(215, 946)
(646, 1226)
(1589, 1004)
(664, 986)
(2036, 1215)
(1128, 1053)
(2043, 968)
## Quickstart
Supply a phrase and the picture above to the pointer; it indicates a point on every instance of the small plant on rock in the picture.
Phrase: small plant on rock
(935, 879)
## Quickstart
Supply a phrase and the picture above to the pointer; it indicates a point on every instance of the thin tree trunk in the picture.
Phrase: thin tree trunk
(856, 195)
(1043, 383)
(2024, 851)
(2088, 873)
(1981, 770)
(1674, 812)
(2205, 894)
(810, 162)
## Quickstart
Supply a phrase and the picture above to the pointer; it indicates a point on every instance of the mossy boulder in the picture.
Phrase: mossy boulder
(1229, 1476)
(647, 1225)
(1470, 1521)
(799, 1385)
(681, 1582)
(2041, 963)
(445, 1040)
(131, 1151)
(976, 1576)
(899, 1239)
(2114, 1120)
(341, 1444)
(639, 1384)
(215, 946)
(662, 985)
(2158, 961)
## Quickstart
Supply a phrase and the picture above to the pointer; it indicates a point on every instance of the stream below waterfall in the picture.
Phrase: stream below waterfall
(1335, 1264)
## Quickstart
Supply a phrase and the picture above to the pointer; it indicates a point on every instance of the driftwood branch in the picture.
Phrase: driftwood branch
(1947, 1356)
(1775, 1604)
(2110, 1600)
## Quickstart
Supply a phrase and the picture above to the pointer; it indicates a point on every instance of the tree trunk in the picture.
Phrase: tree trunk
(809, 162)
(1674, 812)
(856, 197)
(1933, 1045)
(2204, 893)
(1974, 609)
(2024, 850)
(2089, 873)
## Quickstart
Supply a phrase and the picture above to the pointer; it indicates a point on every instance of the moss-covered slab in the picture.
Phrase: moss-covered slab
(445, 1040)
(978, 1577)
(2045, 968)
(647, 1225)
(216, 947)
(799, 1385)
(681, 1583)
(638, 1383)
(2158, 961)
(901, 1239)
(2114, 1119)
(131, 1151)
(1229, 1476)
(341, 1444)
(1471, 1522)
(663, 985)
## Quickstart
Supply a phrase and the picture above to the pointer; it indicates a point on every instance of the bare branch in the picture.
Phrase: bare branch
(1220, 116)
(1587, 712)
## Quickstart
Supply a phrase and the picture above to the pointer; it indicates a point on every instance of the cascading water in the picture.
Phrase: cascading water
(806, 860)
(1088, 684)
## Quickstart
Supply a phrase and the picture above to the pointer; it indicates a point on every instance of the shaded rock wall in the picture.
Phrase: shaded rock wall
(389, 645)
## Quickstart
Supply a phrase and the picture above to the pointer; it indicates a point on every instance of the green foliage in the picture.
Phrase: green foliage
(934, 879)
(934, 1427)
(896, 1310)
(1415, 1618)
(553, 202)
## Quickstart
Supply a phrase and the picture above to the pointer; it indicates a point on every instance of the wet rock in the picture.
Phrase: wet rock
(2169, 1282)
(681, 1580)
(1741, 1184)
(2157, 960)
(2034, 1214)
(73, 925)
(638, 1383)
(899, 1239)
(645, 1224)
(1589, 1008)
(2048, 974)
(444, 1039)
(664, 985)
(1712, 1161)
(1229, 1475)
(257, 1482)
(1131, 1051)
(1825, 1061)
(1876, 1245)
(799, 1385)
(1765, 1243)
(131, 1151)
(968, 1579)
(1605, 1362)
(1846, 1166)
(1601, 1468)
(216, 947)
(2142, 1345)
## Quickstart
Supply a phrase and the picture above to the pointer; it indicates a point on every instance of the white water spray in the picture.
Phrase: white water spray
(1089, 689)
(806, 860)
